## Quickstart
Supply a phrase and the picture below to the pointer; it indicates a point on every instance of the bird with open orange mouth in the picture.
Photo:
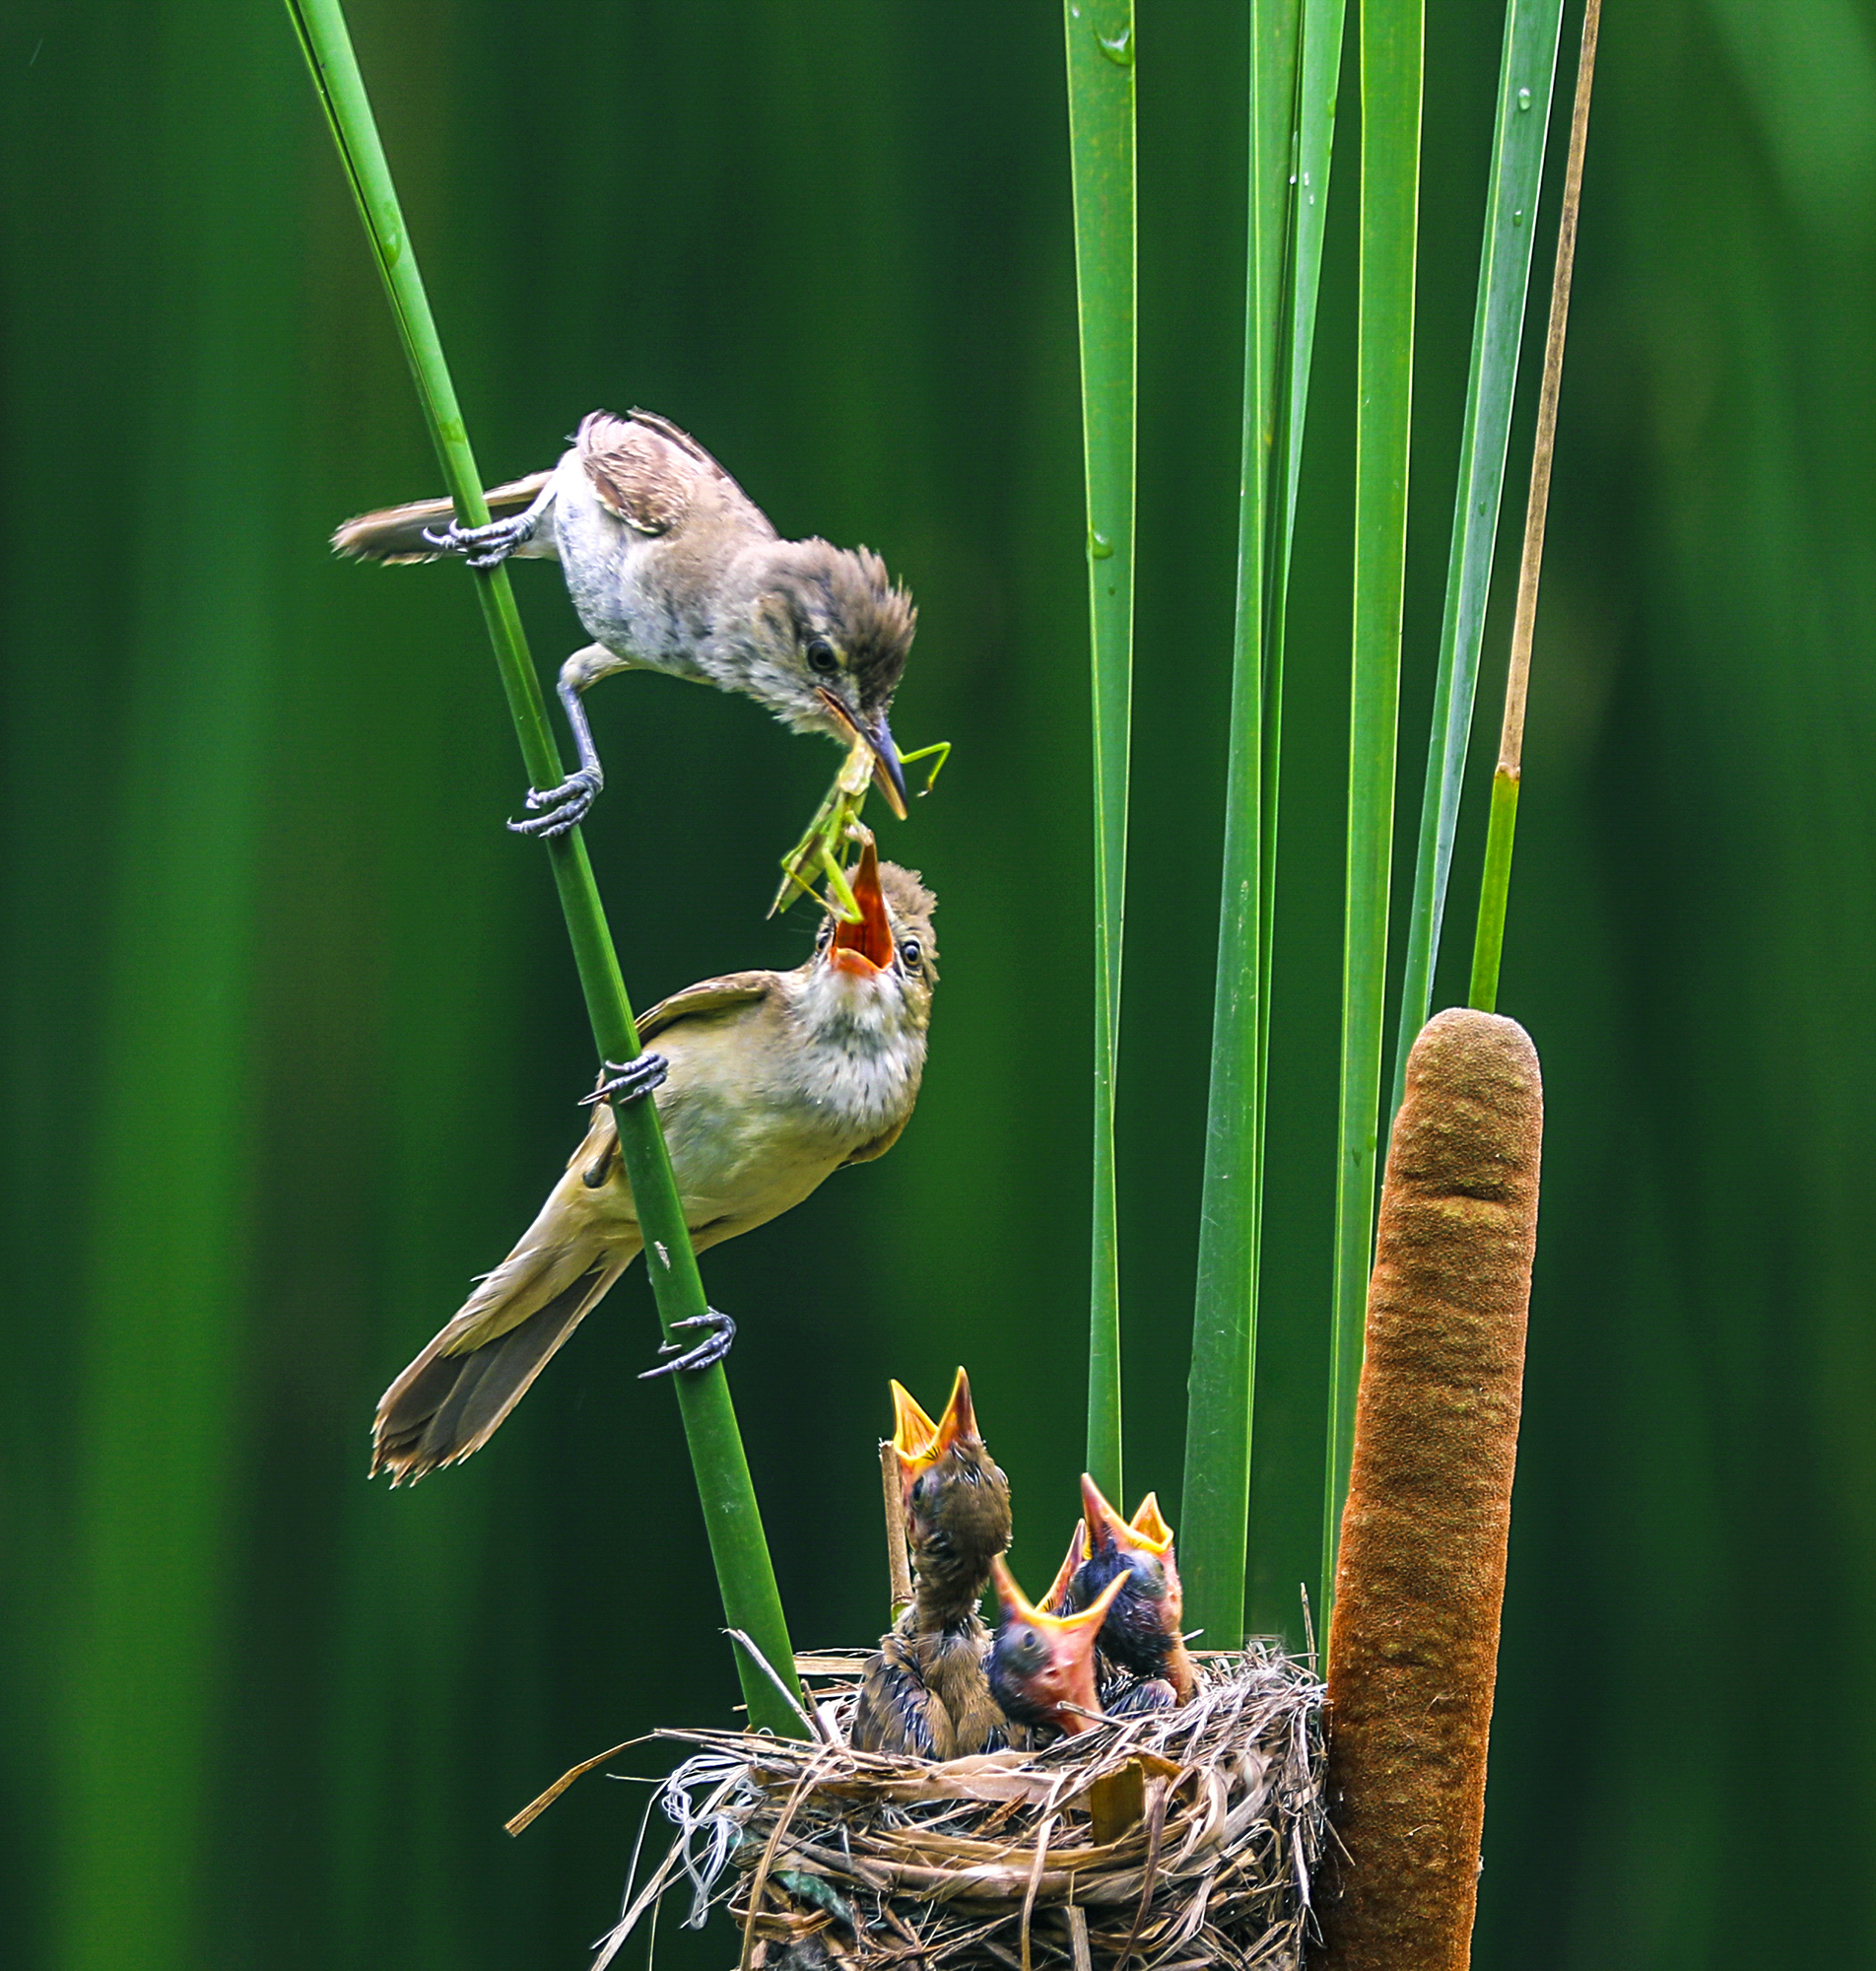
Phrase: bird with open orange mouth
(1141, 1634)
(766, 1083)
(1041, 1667)
(925, 1691)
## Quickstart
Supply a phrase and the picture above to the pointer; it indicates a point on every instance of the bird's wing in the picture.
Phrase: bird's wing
(650, 474)
(710, 996)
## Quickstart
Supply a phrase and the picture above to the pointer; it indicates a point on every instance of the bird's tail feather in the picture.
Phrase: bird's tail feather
(450, 1400)
(396, 534)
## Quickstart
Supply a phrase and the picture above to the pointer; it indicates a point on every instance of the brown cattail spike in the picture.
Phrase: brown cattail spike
(1413, 1646)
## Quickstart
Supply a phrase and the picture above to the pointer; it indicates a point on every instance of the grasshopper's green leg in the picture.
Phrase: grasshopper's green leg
(943, 750)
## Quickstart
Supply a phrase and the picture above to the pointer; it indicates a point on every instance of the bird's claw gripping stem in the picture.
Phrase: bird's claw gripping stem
(560, 808)
(704, 1353)
(482, 547)
(629, 1080)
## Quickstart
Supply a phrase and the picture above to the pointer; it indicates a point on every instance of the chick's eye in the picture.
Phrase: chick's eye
(822, 656)
(910, 951)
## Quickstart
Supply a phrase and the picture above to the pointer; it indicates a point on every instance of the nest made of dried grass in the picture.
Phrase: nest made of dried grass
(1172, 1840)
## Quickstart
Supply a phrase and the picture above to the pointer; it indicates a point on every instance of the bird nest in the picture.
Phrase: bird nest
(1172, 1840)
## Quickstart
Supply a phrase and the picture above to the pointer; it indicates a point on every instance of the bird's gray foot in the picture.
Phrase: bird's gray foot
(557, 809)
(629, 1080)
(722, 1334)
(482, 547)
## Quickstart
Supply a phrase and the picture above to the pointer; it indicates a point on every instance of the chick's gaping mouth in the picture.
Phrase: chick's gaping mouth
(864, 947)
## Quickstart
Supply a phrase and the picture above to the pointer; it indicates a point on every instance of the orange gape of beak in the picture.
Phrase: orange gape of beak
(1146, 1532)
(866, 947)
(919, 1442)
(1064, 1683)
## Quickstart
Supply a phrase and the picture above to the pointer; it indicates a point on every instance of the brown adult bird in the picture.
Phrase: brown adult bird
(673, 568)
(767, 1082)
(925, 1691)
(1141, 1633)
(1041, 1666)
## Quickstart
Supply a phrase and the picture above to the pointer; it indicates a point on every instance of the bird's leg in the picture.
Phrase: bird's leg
(489, 546)
(629, 1080)
(553, 810)
(483, 547)
(713, 1349)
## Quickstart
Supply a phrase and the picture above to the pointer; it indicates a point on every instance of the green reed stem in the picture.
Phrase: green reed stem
(1215, 1495)
(1495, 889)
(1101, 134)
(1501, 833)
(1526, 72)
(1391, 58)
(744, 1572)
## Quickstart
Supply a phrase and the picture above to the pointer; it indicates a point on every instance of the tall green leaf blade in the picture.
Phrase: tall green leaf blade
(1100, 135)
(1319, 70)
(1390, 65)
(746, 1576)
(1526, 74)
(1215, 1496)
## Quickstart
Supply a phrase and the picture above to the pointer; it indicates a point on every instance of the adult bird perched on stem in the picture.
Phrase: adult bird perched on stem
(767, 1082)
(673, 568)
(925, 1691)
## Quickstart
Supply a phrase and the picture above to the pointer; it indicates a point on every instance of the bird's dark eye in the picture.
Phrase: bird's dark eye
(822, 658)
(910, 951)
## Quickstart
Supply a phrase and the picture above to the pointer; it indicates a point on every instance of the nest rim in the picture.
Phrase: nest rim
(1214, 1824)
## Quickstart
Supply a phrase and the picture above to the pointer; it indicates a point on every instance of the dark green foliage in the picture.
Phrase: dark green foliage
(285, 1002)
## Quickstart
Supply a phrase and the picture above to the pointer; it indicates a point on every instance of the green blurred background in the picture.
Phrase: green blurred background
(291, 1038)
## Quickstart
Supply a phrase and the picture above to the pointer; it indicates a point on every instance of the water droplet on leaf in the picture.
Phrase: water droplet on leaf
(1523, 98)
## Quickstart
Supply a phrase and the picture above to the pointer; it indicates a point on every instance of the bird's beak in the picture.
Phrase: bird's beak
(887, 773)
(1148, 1531)
(960, 1420)
(914, 1440)
(1066, 1680)
(865, 946)
(1058, 1594)
(912, 1429)
(1152, 1524)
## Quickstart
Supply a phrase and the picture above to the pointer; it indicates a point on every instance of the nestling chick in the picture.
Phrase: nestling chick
(1042, 1665)
(925, 1691)
(766, 1083)
(673, 568)
(1122, 1694)
(1142, 1631)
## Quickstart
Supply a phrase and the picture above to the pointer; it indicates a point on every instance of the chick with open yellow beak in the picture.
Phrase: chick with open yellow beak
(1042, 1666)
(925, 1691)
(1141, 1633)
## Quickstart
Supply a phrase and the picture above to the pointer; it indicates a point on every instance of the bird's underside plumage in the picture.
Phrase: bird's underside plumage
(775, 1079)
